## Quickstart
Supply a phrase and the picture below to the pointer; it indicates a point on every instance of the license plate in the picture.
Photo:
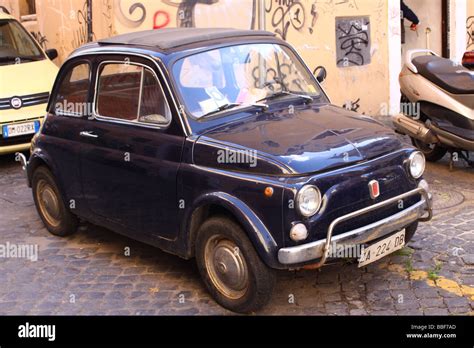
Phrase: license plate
(381, 249)
(15, 130)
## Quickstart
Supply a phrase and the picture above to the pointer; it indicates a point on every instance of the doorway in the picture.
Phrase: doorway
(432, 31)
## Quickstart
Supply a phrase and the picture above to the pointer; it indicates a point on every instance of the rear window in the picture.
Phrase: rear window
(73, 91)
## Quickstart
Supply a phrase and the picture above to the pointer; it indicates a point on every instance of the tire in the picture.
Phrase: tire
(410, 231)
(50, 205)
(250, 286)
(432, 152)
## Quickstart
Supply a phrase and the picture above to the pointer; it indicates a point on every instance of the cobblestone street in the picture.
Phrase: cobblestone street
(89, 274)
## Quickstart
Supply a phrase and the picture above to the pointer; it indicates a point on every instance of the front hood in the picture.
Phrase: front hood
(309, 140)
(27, 78)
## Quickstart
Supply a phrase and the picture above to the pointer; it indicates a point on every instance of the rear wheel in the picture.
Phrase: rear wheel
(432, 152)
(50, 205)
(230, 267)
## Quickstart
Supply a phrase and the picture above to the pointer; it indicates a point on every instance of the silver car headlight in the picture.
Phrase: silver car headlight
(417, 164)
(308, 200)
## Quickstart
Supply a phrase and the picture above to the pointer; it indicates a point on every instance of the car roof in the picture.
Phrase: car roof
(169, 38)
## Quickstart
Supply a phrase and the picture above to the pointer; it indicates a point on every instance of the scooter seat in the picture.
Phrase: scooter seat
(455, 79)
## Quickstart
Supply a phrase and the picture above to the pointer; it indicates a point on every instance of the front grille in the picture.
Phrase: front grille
(28, 100)
(374, 216)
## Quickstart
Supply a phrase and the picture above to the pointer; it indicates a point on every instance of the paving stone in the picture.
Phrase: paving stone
(432, 303)
(435, 311)
(454, 302)
(468, 259)
(407, 305)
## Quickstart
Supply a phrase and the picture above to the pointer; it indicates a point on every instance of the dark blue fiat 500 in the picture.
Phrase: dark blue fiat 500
(221, 145)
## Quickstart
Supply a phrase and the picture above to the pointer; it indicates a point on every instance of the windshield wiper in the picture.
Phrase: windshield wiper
(230, 106)
(286, 93)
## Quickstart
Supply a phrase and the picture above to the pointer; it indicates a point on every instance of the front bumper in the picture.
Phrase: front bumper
(21, 143)
(5, 150)
(319, 250)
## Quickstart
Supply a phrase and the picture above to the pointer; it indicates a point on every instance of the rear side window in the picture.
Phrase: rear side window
(131, 93)
(72, 94)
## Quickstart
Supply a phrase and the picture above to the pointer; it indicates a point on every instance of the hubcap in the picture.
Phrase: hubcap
(226, 267)
(48, 203)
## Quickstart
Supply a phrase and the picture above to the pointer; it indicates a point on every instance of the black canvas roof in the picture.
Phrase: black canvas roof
(174, 37)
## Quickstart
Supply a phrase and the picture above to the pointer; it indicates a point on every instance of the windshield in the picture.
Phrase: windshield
(16, 45)
(240, 76)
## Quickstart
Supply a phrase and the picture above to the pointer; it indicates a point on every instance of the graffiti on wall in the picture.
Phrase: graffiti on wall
(349, 3)
(286, 75)
(161, 19)
(352, 105)
(470, 33)
(124, 18)
(353, 41)
(107, 8)
(185, 12)
(81, 34)
(289, 15)
(41, 38)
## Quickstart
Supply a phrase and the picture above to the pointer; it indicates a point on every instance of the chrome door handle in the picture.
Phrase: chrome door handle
(88, 135)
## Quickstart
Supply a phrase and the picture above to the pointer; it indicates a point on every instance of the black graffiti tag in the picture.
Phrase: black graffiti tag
(470, 32)
(354, 43)
(288, 14)
(352, 105)
(81, 34)
(42, 40)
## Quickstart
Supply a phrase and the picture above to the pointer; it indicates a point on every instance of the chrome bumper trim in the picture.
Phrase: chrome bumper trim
(24, 163)
(421, 211)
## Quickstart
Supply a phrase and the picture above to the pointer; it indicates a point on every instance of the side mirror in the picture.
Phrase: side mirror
(52, 54)
(321, 73)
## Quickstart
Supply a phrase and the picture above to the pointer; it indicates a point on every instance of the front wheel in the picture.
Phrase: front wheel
(230, 267)
(432, 152)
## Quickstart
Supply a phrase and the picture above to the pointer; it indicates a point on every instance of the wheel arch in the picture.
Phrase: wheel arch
(37, 160)
(223, 204)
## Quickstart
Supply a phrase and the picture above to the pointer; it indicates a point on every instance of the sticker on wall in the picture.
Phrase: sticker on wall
(353, 41)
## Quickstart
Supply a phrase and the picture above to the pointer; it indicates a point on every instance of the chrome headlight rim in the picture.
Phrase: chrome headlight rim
(298, 198)
(411, 160)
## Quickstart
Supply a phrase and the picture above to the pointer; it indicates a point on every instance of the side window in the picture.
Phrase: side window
(72, 94)
(132, 93)
(119, 91)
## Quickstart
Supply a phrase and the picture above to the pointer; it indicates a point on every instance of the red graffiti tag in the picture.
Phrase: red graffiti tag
(161, 19)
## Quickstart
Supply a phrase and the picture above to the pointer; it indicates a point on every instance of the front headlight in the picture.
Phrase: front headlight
(308, 200)
(417, 164)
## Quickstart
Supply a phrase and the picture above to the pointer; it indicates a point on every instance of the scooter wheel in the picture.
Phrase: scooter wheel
(432, 152)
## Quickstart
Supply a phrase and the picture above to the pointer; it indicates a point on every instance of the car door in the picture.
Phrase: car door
(59, 140)
(130, 155)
